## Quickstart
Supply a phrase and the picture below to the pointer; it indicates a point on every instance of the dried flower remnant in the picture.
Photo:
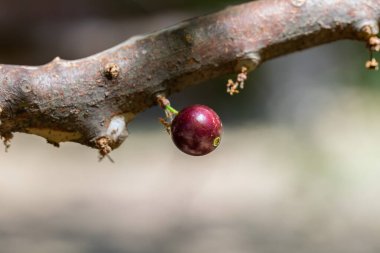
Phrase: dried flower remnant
(369, 32)
(170, 112)
(6, 138)
(232, 87)
(372, 64)
(374, 43)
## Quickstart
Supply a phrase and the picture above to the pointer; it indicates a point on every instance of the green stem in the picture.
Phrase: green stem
(171, 109)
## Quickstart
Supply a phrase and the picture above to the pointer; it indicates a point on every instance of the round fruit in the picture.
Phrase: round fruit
(196, 130)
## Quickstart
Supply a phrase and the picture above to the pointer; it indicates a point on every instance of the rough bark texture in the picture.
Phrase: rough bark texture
(91, 100)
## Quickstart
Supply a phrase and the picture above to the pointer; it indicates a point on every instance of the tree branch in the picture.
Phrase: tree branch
(91, 100)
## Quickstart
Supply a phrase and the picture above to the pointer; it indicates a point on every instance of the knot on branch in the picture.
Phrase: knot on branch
(114, 136)
(111, 71)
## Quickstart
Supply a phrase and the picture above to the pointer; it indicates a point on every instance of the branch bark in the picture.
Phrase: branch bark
(91, 100)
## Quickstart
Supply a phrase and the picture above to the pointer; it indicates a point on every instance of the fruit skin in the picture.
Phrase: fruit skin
(196, 130)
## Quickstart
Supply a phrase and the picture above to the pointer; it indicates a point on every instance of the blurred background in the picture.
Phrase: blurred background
(297, 169)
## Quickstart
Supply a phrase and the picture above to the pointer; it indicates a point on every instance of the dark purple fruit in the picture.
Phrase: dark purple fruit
(196, 130)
